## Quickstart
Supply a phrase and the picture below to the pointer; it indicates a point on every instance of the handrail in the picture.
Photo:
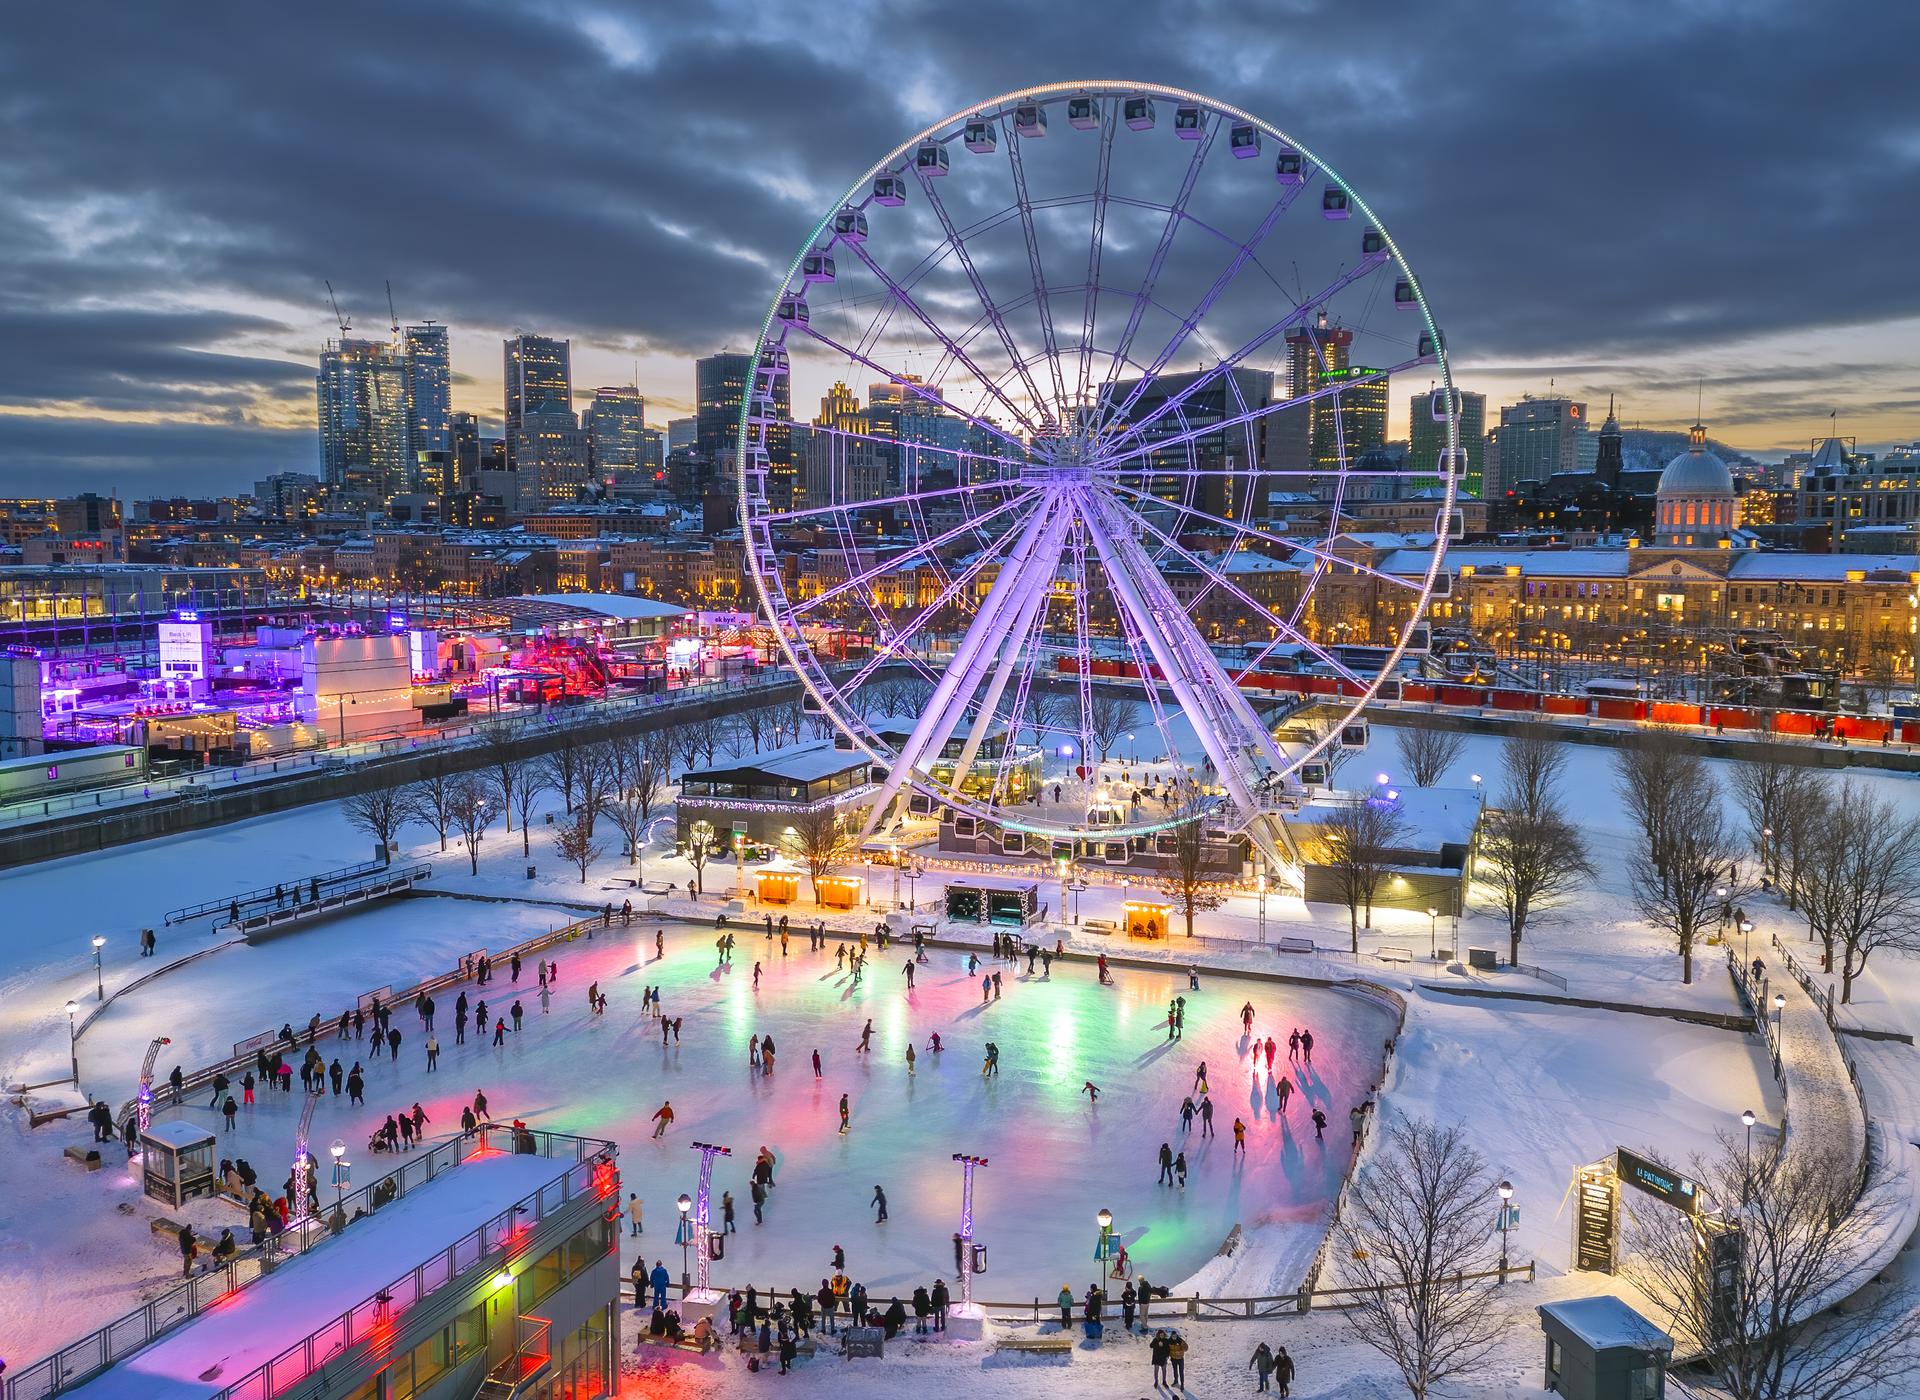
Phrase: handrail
(1864, 1167)
(186, 1300)
(275, 895)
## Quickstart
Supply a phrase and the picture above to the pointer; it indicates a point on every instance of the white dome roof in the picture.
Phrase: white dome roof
(1696, 472)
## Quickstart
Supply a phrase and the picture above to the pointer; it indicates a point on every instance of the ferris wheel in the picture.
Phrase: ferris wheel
(1103, 373)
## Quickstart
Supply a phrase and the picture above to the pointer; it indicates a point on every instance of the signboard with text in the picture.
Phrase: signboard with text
(1597, 1208)
(1678, 1191)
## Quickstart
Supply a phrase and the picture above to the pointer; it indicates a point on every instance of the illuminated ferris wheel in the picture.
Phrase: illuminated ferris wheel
(1114, 339)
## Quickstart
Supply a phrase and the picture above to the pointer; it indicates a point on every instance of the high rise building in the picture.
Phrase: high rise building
(719, 390)
(840, 461)
(538, 370)
(429, 390)
(1426, 439)
(361, 395)
(466, 450)
(682, 433)
(653, 449)
(1538, 437)
(550, 456)
(1228, 458)
(1329, 433)
(614, 422)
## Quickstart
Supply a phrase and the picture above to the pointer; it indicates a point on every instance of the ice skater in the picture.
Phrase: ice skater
(663, 1119)
(866, 1038)
(1271, 1048)
(1166, 1164)
(992, 1065)
(816, 1064)
(1240, 1137)
(879, 1201)
(846, 1110)
(1284, 1091)
(910, 1059)
(908, 969)
(1200, 1078)
(1246, 1018)
(1091, 1090)
(1206, 1116)
(1306, 1047)
(1293, 1044)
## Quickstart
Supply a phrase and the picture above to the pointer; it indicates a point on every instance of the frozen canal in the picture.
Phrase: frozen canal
(1056, 1159)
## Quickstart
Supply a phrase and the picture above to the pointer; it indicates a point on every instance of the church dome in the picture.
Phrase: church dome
(1696, 472)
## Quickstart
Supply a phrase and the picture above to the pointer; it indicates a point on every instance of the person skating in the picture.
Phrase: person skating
(433, 1054)
(1180, 1169)
(986, 988)
(356, 1084)
(866, 1038)
(1200, 1078)
(727, 1226)
(844, 1112)
(663, 1119)
(879, 1202)
(659, 945)
(1283, 1090)
(1246, 1018)
(816, 1064)
(516, 1013)
(468, 1122)
(1319, 1126)
(992, 1065)
(1271, 1048)
(910, 1058)
(1206, 1116)
(1187, 1111)
(546, 1000)
(230, 1109)
(1293, 1044)
(756, 977)
(633, 1219)
(757, 1192)
(1166, 1164)
(500, 1031)
(1306, 1047)
(1091, 1090)
(908, 969)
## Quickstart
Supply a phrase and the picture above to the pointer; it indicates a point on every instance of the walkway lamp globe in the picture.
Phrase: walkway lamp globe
(1506, 1219)
(99, 978)
(1105, 1217)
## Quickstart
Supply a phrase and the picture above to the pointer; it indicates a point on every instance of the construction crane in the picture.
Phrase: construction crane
(339, 320)
(393, 318)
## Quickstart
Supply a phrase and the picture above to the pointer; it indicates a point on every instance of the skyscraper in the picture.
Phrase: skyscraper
(843, 464)
(466, 451)
(550, 456)
(719, 389)
(361, 395)
(1332, 432)
(614, 423)
(538, 370)
(1426, 439)
(1229, 457)
(1538, 437)
(429, 390)
(681, 433)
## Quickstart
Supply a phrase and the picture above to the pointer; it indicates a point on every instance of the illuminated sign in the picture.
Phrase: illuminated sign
(1662, 1182)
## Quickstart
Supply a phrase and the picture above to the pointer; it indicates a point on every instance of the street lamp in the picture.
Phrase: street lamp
(1746, 1162)
(99, 977)
(1104, 1250)
(341, 1166)
(1506, 1221)
(73, 1042)
(1433, 936)
(1746, 940)
(684, 1235)
(1720, 893)
(1479, 792)
(1263, 901)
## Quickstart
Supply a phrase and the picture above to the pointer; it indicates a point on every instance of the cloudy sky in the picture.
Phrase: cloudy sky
(1615, 197)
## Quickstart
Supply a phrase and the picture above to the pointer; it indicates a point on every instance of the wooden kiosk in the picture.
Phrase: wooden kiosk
(1147, 918)
(176, 1161)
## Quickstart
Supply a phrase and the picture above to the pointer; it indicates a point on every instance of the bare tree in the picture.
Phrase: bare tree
(820, 840)
(471, 807)
(524, 798)
(598, 780)
(429, 799)
(380, 812)
(561, 767)
(1418, 1220)
(1863, 886)
(1188, 881)
(751, 727)
(702, 842)
(1049, 709)
(576, 844)
(1531, 854)
(1428, 753)
(507, 765)
(1357, 841)
(1646, 771)
(1799, 1251)
(709, 734)
(632, 808)
(686, 742)
(1109, 716)
(1691, 852)
(1769, 790)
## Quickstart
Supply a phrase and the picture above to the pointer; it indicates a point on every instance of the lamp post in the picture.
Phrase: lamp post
(1433, 935)
(1766, 851)
(1746, 1162)
(893, 854)
(341, 1168)
(1779, 1011)
(1133, 755)
(702, 1236)
(683, 1236)
(1263, 901)
(1720, 893)
(99, 976)
(1746, 941)
(913, 880)
(73, 1042)
(1103, 1251)
(1506, 1221)
(965, 1238)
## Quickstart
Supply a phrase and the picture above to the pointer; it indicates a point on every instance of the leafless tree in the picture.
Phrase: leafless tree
(751, 728)
(1769, 791)
(471, 807)
(632, 808)
(598, 781)
(1428, 753)
(1801, 1236)
(1531, 855)
(1356, 843)
(576, 844)
(1862, 887)
(429, 799)
(710, 732)
(1647, 771)
(561, 767)
(524, 798)
(506, 765)
(820, 840)
(702, 842)
(380, 812)
(1692, 851)
(1418, 1220)
(1110, 717)
(1188, 881)
(1050, 709)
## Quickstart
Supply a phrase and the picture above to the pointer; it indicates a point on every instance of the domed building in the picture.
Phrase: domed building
(1696, 505)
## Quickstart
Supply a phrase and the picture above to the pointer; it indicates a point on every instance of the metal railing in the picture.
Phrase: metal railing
(81, 1360)
(1863, 1168)
(276, 895)
(383, 881)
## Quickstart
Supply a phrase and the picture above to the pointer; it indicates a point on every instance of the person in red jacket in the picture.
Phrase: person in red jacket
(663, 1118)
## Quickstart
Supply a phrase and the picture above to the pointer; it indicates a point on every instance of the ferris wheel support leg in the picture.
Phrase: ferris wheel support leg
(1034, 598)
(1193, 674)
(976, 652)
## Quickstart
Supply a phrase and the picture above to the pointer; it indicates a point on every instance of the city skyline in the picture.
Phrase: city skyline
(167, 264)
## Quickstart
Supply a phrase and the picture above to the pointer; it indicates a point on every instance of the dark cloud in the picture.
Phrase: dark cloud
(1615, 184)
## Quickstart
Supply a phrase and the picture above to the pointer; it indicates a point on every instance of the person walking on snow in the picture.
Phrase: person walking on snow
(1261, 1365)
(1240, 1137)
(1284, 1090)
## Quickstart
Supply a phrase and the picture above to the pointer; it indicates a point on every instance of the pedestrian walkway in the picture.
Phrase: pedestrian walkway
(1826, 1129)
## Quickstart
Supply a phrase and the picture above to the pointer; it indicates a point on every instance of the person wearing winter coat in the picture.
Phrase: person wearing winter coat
(1177, 1358)
(1261, 1365)
(224, 1248)
(894, 1318)
(940, 1302)
(189, 1246)
(1157, 1351)
(633, 1214)
(1283, 1373)
(1065, 1300)
(922, 1310)
(1127, 1299)
(828, 1302)
(659, 1278)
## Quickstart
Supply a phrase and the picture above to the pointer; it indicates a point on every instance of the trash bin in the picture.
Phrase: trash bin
(1483, 960)
(530, 872)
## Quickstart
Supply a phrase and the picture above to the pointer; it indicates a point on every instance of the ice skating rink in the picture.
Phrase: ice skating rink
(1055, 1159)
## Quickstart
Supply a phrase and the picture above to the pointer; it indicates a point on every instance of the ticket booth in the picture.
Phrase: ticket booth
(776, 884)
(1601, 1349)
(840, 891)
(177, 1161)
(1147, 918)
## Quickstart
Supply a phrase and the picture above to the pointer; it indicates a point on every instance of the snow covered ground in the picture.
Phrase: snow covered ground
(1541, 1088)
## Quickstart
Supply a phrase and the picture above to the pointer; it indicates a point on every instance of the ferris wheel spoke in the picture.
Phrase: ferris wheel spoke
(902, 381)
(987, 304)
(781, 517)
(924, 548)
(1090, 312)
(1326, 391)
(1062, 410)
(1137, 430)
(1241, 527)
(933, 328)
(1022, 639)
(1218, 578)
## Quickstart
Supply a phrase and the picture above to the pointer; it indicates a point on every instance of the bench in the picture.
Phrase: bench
(1054, 1344)
(1393, 955)
(1107, 926)
(160, 1225)
(1294, 945)
(88, 1157)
